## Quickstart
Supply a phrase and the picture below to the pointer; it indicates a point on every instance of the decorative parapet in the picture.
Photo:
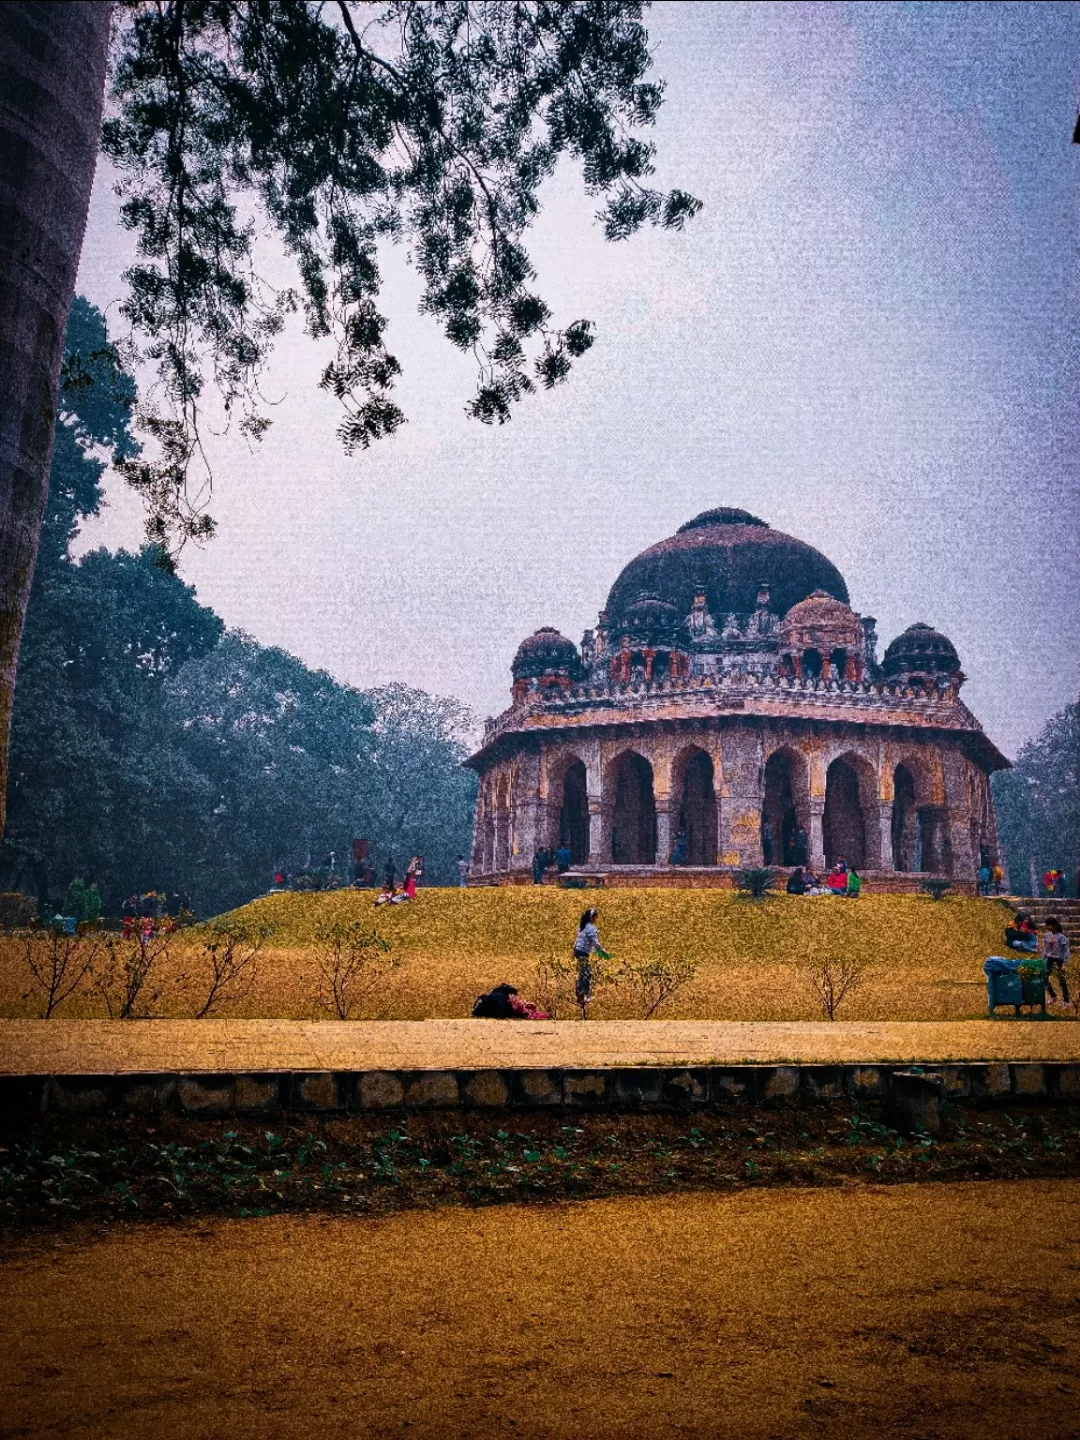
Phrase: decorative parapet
(698, 696)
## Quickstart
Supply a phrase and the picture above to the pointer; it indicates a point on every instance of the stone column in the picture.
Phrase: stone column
(886, 858)
(817, 833)
(957, 817)
(738, 808)
(663, 829)
(599, 833)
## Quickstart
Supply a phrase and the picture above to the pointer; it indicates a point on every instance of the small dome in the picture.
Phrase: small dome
(821, 622)
(650, 620)
(543, 651)
(820, 608)
(921, 650)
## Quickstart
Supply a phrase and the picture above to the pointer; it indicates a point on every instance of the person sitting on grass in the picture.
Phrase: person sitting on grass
(837, 881)
(586, 942)
(796, 884)
(1022, 934)
(1055, 951)
(504, 1003)
(854, 884)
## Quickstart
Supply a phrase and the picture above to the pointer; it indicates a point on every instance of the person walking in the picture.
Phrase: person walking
(1055, 951)
(997, 880)
(462, 871)
(389, 883)
(984, 879)
(586, 944)
(539, 865)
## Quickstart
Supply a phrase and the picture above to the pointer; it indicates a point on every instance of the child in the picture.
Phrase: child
(586, 941)
(854, 884)
(1055, 951)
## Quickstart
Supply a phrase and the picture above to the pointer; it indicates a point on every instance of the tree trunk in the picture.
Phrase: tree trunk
(52, 88)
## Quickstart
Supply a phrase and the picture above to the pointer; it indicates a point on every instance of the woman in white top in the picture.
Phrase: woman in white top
(1055, 951)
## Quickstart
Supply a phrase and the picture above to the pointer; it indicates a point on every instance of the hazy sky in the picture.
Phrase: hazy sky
(868, 337)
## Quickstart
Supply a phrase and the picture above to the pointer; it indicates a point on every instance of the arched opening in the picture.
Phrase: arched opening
(905, 821)
(574, 815)
(695, 837)
(844, 830)
(935, 851)
(838, 664)
(783, 834)
(633, 820)
(811, 664)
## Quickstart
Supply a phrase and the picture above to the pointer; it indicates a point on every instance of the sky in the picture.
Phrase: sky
(867, 337)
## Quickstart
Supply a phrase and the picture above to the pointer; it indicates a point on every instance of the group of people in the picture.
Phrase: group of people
(991, 879)
(504, 1002)
(390, 894)
(1053, 946)
(544, 858)
(156, 910)
(842, 879)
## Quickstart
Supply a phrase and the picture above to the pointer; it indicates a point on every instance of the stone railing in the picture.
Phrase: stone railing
(735, 691)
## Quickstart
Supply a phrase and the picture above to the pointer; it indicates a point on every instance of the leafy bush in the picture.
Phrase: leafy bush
(83, 901)
(16, 911)
(937, 887)
(757, 880)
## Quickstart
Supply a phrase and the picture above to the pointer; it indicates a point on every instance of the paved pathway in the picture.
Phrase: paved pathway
(88, 1047)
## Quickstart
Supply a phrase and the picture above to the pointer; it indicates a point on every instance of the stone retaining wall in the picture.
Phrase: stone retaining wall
(222, 1093)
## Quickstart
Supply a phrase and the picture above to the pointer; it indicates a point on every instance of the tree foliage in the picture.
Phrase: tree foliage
(347, 127)
(1038, 802)
(151, 749)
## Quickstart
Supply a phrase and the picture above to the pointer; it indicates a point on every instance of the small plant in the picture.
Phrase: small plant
(936, 886)
(121, 974)
(757, 880)
(83, 901)
(653, 982)
(230, 956)
(59, 963)
(16, 910)
(354, 965)
(832, 980)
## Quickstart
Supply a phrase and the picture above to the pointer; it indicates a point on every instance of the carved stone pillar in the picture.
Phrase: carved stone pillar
(599, 833)
(885, 860)
(663, 830)
(817, 833)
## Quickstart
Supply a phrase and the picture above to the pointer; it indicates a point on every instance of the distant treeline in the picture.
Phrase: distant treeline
(1038, 805)
(153, 748)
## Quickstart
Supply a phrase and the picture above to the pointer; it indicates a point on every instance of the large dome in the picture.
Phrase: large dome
(729, 553)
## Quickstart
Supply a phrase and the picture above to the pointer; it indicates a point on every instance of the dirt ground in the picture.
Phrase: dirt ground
(926, 1311)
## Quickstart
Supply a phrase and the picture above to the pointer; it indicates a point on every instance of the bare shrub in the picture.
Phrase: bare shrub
(229, 962)
(650, 983)
(355, 966)
(60, 963)
(122, 971)
(554, 986)
(832, 980)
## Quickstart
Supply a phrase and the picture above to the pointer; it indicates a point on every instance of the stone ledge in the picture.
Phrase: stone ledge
(22, 1098)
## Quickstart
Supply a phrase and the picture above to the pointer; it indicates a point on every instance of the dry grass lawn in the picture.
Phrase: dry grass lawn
(921, 959)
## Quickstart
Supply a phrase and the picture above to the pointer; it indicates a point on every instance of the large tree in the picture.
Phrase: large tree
(346, 126)
(1038, 804)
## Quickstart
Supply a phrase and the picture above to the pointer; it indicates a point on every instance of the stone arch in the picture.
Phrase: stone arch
(920, 819)
(785, 808)
(812, 664)
(847, 820)
(694, 807)
(633, 809)
(906, 845)
(574, 811)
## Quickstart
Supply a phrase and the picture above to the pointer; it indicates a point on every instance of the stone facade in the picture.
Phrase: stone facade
(685, 740)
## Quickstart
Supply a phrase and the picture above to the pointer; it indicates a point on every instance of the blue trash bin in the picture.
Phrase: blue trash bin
(1004, 981)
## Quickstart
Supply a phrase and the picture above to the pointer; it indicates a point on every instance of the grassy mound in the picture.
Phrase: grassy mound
(919, 959)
